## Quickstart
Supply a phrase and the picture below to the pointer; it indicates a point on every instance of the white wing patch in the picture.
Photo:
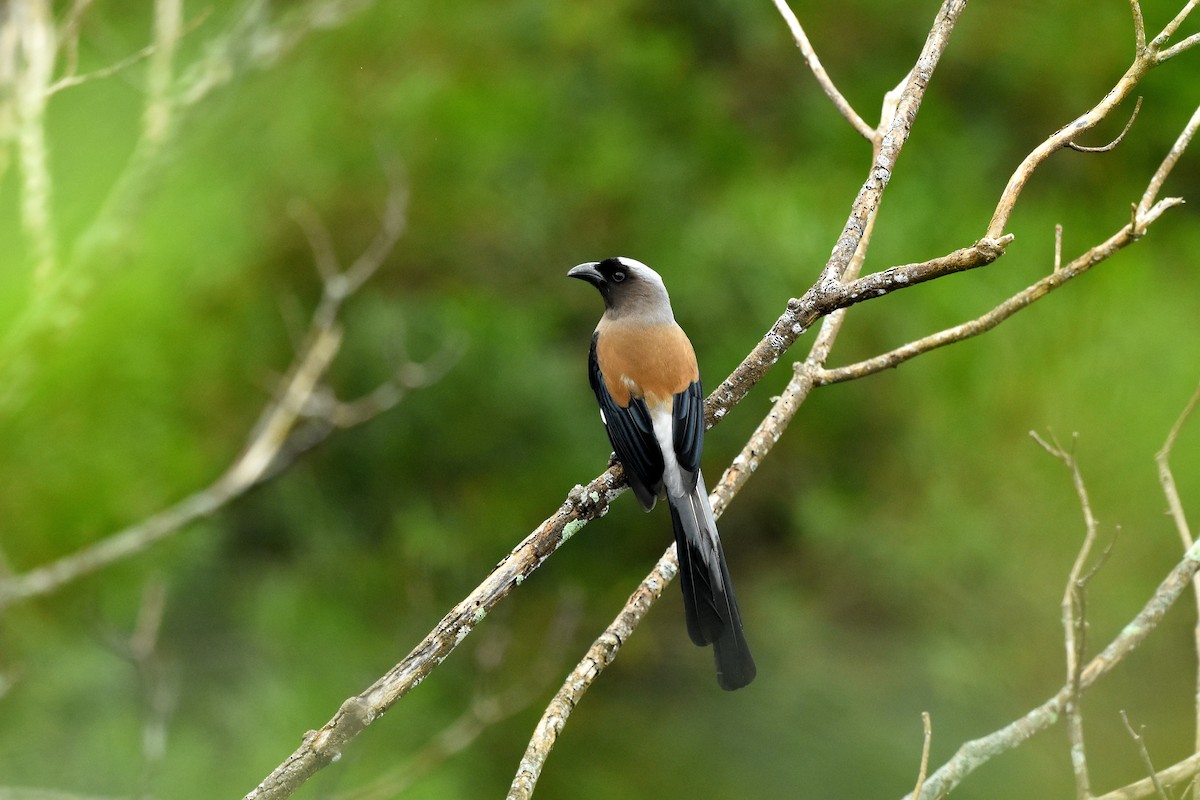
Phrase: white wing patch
(664, 431)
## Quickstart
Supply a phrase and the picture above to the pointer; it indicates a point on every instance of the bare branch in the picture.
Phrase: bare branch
(321, 747)
(34, 39)
(253, 40)
(810, 57)
(71, 80)
(69, 33)
(1145, 59)
(973, 754)
(1167, 478)
(1185, 137)
(1174, 50)
(168, 26)
(487, 708)
(827, 294)
(1144, 214)
(275, 440)
(1003, 311)
(602, 653)
(769, 431)
(1139, 26)
(1169, 29)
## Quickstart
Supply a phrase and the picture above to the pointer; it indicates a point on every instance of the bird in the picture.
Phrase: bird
(644, 373)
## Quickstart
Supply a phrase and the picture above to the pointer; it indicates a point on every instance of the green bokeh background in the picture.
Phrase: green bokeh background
(903, 548)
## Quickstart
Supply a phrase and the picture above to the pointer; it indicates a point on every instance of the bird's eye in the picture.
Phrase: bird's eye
(618, 276)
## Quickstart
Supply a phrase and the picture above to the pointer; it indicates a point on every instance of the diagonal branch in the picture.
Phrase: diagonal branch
(977, 752)
(769, 431)
(1175, 506)
(587, 503)
(1173, 775)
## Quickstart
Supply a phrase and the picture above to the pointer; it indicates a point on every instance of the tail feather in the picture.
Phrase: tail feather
(708, 599)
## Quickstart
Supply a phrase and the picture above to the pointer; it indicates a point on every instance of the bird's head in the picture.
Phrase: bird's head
(629, 288)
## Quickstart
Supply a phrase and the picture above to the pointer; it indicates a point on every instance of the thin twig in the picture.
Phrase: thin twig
(1113, 144)
(1145, 59)
(1144, 754)
(810, 57)
(1139, 26)
(1149, 197)
(1176, 49)
(1074, 619)
(1169, 29)
(927, 723)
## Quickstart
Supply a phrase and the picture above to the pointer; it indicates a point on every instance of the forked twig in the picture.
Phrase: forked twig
(1144, 753)
(276, 438)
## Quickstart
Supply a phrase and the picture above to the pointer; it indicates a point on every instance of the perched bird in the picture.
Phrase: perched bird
(643, 371)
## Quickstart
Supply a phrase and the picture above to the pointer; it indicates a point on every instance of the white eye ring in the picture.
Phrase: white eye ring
(618, 276)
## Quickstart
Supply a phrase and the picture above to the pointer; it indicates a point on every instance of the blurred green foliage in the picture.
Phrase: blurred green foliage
(902, 549)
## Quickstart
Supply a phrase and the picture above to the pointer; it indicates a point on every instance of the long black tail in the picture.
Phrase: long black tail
(708, 599)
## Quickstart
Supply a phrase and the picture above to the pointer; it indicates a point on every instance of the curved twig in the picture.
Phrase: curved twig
(1079, 148)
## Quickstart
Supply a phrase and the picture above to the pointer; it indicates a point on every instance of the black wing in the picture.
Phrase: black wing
(632, 436)
(688, 415)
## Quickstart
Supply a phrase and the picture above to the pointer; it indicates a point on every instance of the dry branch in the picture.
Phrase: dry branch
(845, 291)
(303, 412)
(978, 752)
(831, 297)
(1175, 506)
(585, 503)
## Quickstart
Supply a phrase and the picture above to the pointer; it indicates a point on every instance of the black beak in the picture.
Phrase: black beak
(587, 272)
